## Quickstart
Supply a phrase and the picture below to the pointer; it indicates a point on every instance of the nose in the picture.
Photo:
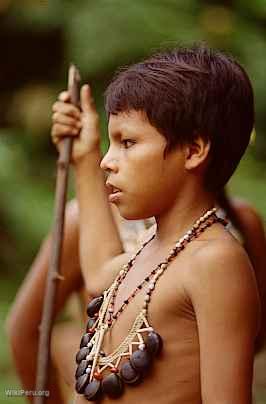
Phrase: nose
(109, 163)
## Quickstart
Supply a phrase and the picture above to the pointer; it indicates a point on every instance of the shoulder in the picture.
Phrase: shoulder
(220, 259)
(220, 275)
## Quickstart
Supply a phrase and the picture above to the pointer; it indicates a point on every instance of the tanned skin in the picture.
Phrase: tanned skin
(192, 303)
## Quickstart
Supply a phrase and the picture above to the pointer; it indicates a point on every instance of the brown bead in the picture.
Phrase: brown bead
(85, 340)
(81, 368)
(92, 390)
(141, 360)
(128, 374)
(90, 324)
(154, 343)
(81, 383)
(112, 386)
(82, 353)
(94, 306)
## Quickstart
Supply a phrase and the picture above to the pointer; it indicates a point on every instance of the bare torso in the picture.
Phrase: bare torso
(175, 374)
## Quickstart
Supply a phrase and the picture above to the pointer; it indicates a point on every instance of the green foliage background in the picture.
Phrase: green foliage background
(99, 36)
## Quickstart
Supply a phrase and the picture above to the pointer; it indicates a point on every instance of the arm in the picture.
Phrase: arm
(223, 292)
(99, 237)
(255, 244)
(25, 315)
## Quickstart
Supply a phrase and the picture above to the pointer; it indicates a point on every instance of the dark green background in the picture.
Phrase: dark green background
(38, 40)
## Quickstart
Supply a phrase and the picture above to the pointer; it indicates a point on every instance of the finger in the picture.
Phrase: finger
(67, 109)
(64, 96)
(86, 99)
(60, 130)
(57, 117)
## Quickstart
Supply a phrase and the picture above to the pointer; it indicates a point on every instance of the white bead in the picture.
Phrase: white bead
(151, 286)
(163, 266)
(189, 233)
(178, 244)
(121, 273)
(142, 347)
(147, 298)
(144, 311)
(90, 344)
(150, 329)
(88, 370)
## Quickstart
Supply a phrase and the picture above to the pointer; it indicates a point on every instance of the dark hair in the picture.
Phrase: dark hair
(187, 92)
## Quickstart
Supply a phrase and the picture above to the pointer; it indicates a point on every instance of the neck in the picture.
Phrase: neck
(176, 221)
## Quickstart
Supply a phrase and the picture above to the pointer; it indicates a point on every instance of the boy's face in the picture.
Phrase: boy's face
(148, 182)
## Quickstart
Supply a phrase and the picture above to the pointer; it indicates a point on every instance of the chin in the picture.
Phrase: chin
(133, 215)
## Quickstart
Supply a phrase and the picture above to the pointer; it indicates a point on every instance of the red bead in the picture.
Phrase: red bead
(91, 330)
(98, 376)
(114, 370)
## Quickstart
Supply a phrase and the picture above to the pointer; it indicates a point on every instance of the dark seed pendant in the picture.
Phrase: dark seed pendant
(94, 306)
(128, 374)
(154, 343)
(90, 324)
(82, 353)
(112, 385)
(85, 340)
(141, 360)
(81, 368)
(92, 390)
(82, 382)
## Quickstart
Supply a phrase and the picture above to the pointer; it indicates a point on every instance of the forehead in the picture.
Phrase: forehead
(132, 123)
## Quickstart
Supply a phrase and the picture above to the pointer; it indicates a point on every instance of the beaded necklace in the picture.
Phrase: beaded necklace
(92, 362)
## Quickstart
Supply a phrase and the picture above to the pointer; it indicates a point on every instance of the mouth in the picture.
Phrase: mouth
(113, 192)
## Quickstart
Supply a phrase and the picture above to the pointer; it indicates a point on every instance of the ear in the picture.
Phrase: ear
(196, 153)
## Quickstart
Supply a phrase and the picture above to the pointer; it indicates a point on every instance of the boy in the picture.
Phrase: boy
(179, 123)
(178, 126)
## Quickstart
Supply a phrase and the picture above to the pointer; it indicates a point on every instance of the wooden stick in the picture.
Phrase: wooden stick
(53, 275)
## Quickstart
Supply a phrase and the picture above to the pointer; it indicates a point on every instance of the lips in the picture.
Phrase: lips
(114, 193)
(111, 188)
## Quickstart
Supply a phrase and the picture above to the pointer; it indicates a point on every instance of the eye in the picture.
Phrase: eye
(127, 143)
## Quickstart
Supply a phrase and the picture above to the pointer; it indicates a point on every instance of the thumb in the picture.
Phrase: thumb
(86, 100)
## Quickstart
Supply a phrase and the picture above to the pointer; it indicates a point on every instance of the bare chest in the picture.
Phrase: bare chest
(170, 314)
(169, 309)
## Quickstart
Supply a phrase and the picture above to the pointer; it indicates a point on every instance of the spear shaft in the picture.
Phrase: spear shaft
(53, 275)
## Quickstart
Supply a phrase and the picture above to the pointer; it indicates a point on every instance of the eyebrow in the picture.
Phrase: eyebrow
(115, 135)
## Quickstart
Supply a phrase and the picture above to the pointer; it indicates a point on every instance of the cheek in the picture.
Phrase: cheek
(154, 187)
